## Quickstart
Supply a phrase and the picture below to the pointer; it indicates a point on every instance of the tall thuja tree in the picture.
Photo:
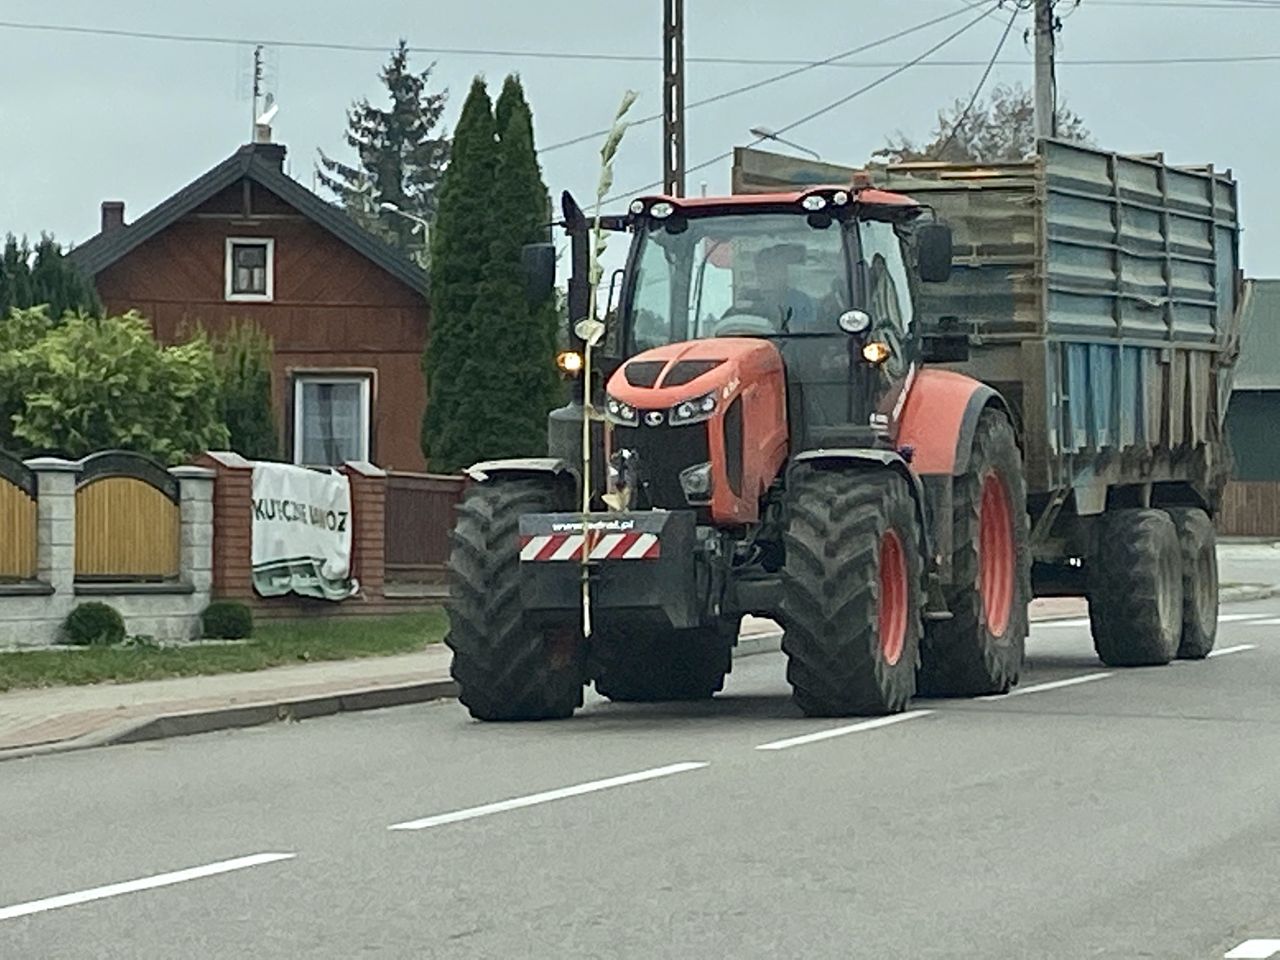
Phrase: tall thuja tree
(243, 358)
(522, 361)
(467, 225)
(42, 277)
(15, 275)
(400, 155)
(57, 284)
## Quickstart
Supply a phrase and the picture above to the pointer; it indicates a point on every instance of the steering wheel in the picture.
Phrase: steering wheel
(741, 322)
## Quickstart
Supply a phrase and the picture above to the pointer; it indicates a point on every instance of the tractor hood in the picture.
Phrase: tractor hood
(662, 378)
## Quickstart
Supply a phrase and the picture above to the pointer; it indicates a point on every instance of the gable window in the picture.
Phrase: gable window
(331, 418)
(250, 268)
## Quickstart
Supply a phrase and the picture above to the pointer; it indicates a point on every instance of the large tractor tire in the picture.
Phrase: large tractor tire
(1198, 543)
(852, 592)
(644, 665)
(980, 649)
(506, 668)
(1135, 589)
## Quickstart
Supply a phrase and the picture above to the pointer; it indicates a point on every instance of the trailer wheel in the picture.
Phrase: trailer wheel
(980, 649)
(1135, 589)
(1198, 543)
(506, 668)
(645, 665)
(851, 592)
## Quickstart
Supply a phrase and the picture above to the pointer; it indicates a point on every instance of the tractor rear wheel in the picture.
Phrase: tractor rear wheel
(1198, 543)
(980, 649)
(851, 592)
(1135, 589)
(506, 668)
(644, 665)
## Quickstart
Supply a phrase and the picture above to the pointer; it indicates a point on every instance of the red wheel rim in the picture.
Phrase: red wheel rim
(996, 554)
(894, 597)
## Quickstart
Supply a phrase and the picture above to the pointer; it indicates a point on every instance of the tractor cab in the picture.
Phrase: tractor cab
(823, 276)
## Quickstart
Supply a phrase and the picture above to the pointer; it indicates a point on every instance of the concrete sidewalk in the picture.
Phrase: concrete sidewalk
(69, 718)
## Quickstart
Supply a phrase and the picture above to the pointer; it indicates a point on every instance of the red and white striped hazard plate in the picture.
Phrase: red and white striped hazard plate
(602, 546)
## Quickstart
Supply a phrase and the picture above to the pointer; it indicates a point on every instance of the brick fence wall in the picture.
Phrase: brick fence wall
(233, 542)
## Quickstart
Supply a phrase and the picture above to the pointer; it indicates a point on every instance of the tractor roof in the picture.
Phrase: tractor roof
(859, 194)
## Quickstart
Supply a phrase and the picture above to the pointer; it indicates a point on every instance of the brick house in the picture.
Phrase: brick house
(348, 314)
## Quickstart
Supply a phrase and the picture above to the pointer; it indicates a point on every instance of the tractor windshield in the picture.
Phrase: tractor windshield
(757, 274)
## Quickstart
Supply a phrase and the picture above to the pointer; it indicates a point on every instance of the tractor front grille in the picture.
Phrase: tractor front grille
(663, 452)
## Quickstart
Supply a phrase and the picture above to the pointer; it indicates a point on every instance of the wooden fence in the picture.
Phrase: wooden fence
(1250, 509)
(419, 515)
(17, 519)
(128, 521)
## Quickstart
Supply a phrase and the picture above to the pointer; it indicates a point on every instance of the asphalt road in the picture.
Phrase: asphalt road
(1133, 814)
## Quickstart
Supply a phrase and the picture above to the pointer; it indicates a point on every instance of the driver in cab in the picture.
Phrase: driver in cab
(792, 309)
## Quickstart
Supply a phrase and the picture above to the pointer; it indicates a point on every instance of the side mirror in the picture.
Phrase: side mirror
(933, 252)
(538, 261)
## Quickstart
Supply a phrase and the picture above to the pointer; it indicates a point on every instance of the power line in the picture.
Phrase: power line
(833, 62)
(747, 88)
(977, 91)
(884, 78)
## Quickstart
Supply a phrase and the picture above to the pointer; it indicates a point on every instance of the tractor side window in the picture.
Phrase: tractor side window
(888, 290)
(888, 293)
(651, 311)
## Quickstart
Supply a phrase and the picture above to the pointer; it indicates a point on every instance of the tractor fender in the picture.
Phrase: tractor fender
(525, 467)
(939, 419)
(869, 457)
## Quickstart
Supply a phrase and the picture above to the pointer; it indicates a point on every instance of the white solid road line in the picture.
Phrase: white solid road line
(1052, 685)
(1269, 622)
(146, 883)
(842, 731)
(533, 799)
(1238, 648)
(1254, 950)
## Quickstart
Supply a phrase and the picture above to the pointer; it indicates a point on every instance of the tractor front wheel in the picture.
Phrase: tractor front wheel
(507, 668)
(852, 597)
(980, 649)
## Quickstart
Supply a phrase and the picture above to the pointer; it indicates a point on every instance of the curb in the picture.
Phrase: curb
(188, 723)
(165, 726)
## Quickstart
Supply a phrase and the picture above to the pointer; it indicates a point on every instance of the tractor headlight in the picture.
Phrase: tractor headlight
(569, 362)
(618, 412)
(695, 410)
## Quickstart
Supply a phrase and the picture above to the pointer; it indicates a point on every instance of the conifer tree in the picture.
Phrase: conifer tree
(400, 156)
(466, 228)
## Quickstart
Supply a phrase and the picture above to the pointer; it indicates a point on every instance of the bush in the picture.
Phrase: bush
(84, 384)
(94, 624)
(225, 620)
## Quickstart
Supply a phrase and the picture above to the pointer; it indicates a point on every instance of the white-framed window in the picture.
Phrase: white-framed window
(251, 271)
(331, 418)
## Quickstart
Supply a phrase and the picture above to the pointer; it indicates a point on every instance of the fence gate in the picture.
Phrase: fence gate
(128, 522)
(17, 519)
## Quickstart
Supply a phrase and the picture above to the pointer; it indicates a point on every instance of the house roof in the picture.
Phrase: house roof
(261, 164)
(1259, 365)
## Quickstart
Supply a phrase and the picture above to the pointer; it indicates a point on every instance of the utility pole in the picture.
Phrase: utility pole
(673, 99)
(1046, 95)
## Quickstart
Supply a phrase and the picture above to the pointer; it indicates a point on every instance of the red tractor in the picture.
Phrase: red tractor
(771, 442)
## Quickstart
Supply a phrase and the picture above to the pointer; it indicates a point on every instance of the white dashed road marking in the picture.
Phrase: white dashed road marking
(1238, 648)
(146, 883)
(1254, 950)
(1051, 685)
(562, 793)
(842, 731)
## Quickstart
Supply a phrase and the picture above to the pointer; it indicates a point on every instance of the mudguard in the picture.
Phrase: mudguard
(526, 467)
(939, 419)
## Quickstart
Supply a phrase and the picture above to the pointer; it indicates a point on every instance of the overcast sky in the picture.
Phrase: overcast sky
(88, 118)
